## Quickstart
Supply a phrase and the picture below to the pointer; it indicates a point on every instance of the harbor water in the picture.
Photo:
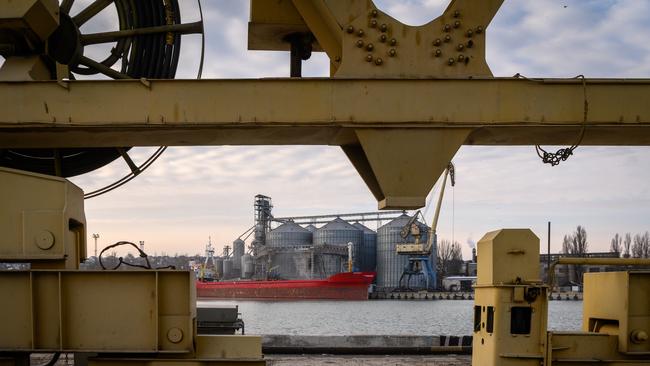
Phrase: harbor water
(442, 317)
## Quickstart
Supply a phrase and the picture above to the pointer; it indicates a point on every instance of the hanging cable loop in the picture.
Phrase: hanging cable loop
(555, 158)
(121, 261)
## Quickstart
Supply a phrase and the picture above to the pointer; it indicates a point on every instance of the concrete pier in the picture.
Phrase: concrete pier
(366, 344)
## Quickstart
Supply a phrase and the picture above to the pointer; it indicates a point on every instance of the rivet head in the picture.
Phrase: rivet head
(392, 52)
(175, 335)
(438, 53)
(383, 27)
(44, 240)
(370, 47)
(360, 33)
(393, 42)
(374, 13)
(369, 58)
(383, 38)
(451, 61)
(360, 43)
(379, 61)
(461, 58)
(457, 24)
(470, 43)
(437, 42)
(639, 336)
(479, 29)
(373, 23)
(447, 38)
(350, 29)
(456, 14)
(470, 33)
(446, 28)
(460, 47)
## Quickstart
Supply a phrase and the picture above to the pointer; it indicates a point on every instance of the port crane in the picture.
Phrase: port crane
(400, 101)
(419, 253)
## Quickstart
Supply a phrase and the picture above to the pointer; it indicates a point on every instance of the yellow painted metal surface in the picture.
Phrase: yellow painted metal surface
(501, 111)
(363, 41)
(35, 19)
(41, 220)
(507, 285)
(508, 256)
(619, 303)
(421, 122)
(116, 311)
(89, 311)
(511, 308)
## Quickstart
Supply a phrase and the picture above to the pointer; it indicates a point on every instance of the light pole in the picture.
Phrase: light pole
(95, 236)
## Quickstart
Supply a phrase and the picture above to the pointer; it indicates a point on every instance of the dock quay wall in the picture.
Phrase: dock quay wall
(428, 295)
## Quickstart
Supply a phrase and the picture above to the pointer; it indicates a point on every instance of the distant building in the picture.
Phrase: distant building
(566, 275)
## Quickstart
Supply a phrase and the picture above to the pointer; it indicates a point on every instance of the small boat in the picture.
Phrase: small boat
(341, 286)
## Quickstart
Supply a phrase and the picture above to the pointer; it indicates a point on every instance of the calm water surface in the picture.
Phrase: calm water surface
(446, 317)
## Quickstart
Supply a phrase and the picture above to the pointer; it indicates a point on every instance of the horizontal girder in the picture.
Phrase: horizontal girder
(501, 111)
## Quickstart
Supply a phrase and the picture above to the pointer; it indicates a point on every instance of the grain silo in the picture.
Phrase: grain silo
(247, 266)
(289, 244)
(289, 234)
(218, 267)
(366, 255)
(238, 249)
(337, 232)
(390, 265)
(311, 228)
(228, 269)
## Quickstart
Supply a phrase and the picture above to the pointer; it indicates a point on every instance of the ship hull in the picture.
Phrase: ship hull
(342, 286)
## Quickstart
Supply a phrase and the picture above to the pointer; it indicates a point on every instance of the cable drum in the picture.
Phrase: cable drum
(146, 45)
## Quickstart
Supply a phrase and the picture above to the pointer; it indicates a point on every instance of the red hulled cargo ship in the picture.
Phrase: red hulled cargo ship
(341, 286)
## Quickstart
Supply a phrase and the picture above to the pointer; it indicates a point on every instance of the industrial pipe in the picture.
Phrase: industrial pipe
(595, 262)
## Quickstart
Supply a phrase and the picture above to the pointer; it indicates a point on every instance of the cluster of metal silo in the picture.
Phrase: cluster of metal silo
(232, 265)
(337, 232)
(390, 265)
(365, 258)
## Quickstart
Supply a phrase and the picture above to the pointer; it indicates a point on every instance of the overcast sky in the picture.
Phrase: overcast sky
(193, 193)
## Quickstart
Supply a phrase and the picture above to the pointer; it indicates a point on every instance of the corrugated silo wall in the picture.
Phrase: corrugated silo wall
(292, 265)
(390, 265)
(238, 249)
(218, 267)
(337, 232)
(368, 252)
(288, 238)
(228, 271)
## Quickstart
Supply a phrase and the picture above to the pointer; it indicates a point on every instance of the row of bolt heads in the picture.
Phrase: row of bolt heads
(379, 61)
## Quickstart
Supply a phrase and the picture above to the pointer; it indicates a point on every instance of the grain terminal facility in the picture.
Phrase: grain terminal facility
(316, 247)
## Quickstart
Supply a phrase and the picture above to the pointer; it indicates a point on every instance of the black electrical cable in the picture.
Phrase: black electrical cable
(129, 176)
(121, 261)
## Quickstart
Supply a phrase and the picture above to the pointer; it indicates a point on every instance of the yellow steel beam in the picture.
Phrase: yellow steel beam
(400, 134)
(323, 25)
(502, 111)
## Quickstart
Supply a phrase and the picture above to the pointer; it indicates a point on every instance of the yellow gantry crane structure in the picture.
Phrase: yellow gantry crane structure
(400, 101)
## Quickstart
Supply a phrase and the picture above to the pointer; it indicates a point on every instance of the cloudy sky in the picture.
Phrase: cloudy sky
(193, 193)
